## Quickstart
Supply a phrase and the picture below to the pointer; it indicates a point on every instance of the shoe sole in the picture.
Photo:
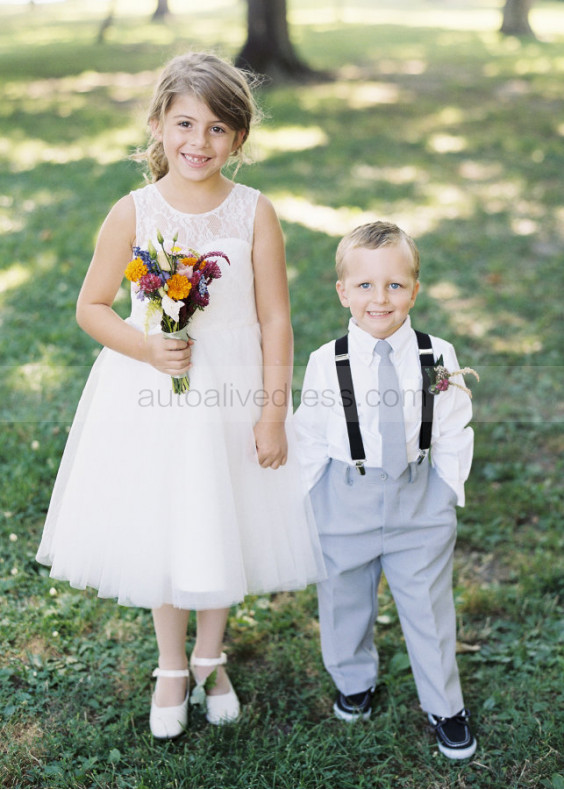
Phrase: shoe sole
(350, 717)
(457, 754)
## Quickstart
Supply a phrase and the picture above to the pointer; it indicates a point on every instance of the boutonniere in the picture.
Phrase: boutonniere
(440, 378)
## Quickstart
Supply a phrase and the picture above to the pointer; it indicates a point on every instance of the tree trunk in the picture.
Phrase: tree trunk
(107, 22)
(162, 10)
(516, 18)
(268, 49)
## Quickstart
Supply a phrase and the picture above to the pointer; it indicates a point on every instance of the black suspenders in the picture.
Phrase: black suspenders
(349, 402)
(427, 360)
(348, 398)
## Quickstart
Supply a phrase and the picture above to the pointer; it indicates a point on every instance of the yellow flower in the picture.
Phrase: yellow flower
(135, 269)
(178, 287)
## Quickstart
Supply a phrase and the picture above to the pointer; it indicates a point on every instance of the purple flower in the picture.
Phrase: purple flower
(211, 271)
(144, 255)
(150, 282)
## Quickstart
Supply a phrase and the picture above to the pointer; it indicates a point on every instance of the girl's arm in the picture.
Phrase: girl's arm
(94, 311)
(273, 310)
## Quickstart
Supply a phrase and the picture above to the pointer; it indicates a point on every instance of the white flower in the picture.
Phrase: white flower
(163, 261)
(52, 591)
(13, 537)
(171, 307)
(35, 445)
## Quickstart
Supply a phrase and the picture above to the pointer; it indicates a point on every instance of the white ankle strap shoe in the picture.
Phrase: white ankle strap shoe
(170, 721)
(220, 708)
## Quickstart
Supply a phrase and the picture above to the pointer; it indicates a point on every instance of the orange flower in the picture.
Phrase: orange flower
(178, 287)
(189, 260)
(135, 270)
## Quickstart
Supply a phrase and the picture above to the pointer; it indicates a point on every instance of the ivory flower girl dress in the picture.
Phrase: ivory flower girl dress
(159, 497)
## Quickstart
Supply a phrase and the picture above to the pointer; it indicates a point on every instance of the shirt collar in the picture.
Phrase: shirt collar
(363, 343)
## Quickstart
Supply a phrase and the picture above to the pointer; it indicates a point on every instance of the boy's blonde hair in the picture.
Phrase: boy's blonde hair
(222, 86)
(372, 236)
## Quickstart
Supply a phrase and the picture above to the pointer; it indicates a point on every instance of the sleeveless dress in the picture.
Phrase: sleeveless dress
(160, 497)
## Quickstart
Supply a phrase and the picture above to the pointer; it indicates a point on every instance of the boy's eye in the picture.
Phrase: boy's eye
(395, 286)
(364, 286)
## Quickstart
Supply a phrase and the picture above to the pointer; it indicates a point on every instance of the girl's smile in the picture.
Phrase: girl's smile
(196, 161)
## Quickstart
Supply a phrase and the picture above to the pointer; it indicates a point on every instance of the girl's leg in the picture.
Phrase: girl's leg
(209, 642)
(170, 629)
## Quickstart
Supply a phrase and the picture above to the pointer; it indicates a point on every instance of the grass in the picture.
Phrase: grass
(431, 120)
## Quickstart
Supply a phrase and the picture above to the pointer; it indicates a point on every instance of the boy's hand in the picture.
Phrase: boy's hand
(168, 355)
(271, 444)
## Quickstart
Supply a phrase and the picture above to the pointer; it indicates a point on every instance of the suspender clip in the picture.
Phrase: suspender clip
(360, 466)
(421, 457)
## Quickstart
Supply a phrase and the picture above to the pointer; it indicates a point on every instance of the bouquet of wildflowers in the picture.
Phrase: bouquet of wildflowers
(175, 282)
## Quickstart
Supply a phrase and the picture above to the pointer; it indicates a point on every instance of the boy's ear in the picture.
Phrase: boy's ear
(155, 127)
(343, 298)
(415, 292)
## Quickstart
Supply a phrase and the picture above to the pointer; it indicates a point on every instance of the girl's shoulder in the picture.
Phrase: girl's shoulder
(121, 216)
(244, 194)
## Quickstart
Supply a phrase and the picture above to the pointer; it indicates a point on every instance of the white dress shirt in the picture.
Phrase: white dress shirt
(320, 419)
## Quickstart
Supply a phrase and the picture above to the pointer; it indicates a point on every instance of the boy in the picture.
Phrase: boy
(379, 503)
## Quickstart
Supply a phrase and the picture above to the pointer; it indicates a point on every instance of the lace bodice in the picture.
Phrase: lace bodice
(228, 229)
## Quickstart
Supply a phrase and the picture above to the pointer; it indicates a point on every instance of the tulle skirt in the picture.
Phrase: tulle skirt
(160, 497)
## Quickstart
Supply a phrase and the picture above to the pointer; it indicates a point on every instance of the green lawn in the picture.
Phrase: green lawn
(433, 121)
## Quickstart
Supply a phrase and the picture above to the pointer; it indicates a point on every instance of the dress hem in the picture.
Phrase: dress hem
(279, 588)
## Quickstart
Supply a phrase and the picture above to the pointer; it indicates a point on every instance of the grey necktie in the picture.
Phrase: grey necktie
(394, 453)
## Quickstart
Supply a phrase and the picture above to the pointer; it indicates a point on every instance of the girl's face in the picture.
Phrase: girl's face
(196, 143)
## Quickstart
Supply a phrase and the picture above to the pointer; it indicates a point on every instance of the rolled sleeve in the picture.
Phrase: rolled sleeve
(453, 439)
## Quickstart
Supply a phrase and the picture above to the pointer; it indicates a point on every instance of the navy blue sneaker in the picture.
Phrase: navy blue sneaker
(355, 707)
(454, 738)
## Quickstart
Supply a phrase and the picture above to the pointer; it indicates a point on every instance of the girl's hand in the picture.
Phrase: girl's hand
(271, 444)
(168, 355)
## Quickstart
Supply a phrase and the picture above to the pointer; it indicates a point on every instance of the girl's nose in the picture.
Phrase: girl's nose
(199, 137)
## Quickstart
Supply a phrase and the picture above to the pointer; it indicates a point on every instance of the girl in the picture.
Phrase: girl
(179, 502)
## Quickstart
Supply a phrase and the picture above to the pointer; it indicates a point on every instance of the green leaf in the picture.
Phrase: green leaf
(114, 756)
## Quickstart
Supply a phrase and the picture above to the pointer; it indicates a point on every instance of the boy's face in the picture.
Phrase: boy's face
(379, 288)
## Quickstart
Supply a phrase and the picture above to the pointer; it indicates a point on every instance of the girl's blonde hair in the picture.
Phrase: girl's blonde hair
(223, 87)
(372, 236)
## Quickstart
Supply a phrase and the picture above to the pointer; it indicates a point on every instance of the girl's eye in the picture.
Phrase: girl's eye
(218, 130)
(184, 124)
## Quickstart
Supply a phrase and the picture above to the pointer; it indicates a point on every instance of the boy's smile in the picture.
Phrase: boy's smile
(379, 287)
